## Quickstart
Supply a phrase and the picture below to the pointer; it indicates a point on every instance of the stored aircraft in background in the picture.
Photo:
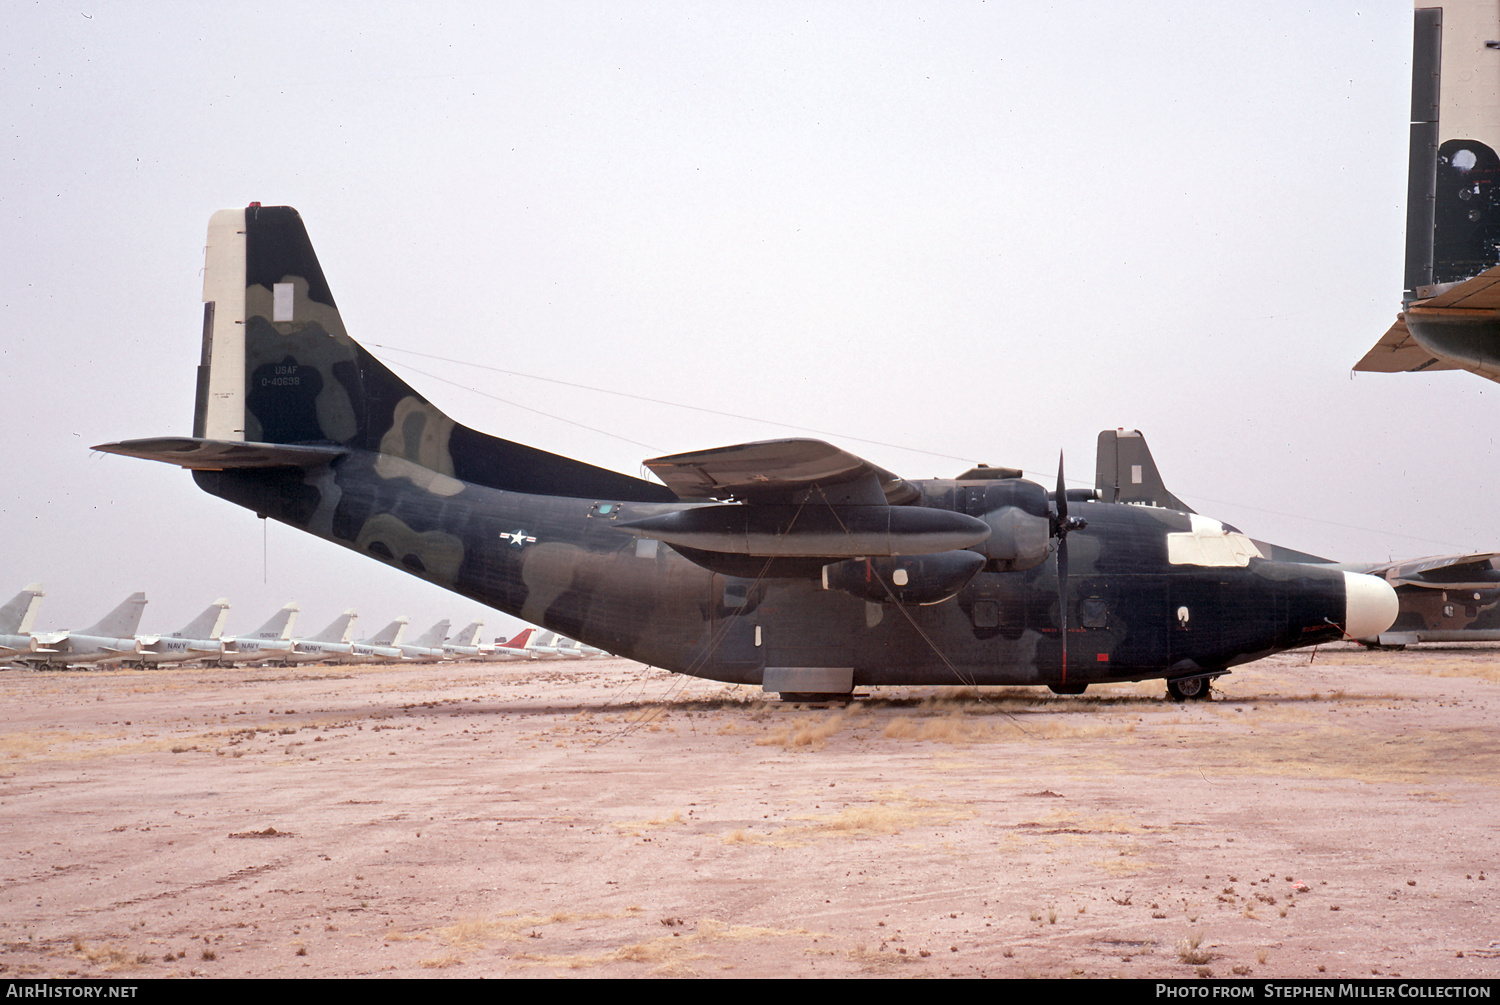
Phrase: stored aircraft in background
(112, 637)
(271, 642)
(382, 647)
(428, 647)
(1443, 598)
(790, 564)
(198, 640)
(1450, 310)
(16, 620)
(330, 644)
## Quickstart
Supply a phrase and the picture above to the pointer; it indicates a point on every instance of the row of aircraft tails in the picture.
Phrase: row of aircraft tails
(798, 566)
(114, 640)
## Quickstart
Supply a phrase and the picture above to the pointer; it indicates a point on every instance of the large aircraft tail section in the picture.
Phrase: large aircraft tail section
(122, 622)
(19, 614)
(281, 384)
(1453, 199)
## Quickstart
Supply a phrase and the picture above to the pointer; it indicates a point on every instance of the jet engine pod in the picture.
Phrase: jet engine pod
(904, 579)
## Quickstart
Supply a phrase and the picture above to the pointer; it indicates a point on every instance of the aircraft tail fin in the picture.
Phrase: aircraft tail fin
(390, 635)
(469, 634)
(521, 640)
(434, 636)
(281, 624)
(19, 614)
(122, 622)
(1124, 471)
(340, 630)
(281, 384)
(207, 625)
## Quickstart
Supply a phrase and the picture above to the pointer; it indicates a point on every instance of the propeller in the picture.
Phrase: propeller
(1061, 525)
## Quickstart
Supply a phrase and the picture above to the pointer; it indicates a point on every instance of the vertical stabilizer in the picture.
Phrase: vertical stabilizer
(340, 630)
(434, 636)
(122, 622)
(1124, 471)
(468, 636)
(281, 624)
(17, 616)
(390, 635)
(207, 625)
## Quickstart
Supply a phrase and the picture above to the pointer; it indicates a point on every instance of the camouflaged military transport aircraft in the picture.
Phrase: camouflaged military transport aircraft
(1450, 311)
(789, 563)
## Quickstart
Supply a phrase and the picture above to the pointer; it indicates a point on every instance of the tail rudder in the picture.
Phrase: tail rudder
(468, 636)
(122, 622)
(19, 614)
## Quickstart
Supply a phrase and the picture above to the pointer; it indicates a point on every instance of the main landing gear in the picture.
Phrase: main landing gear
(1189, 689)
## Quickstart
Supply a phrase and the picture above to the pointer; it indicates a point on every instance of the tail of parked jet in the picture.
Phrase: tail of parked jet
(17, 616)
(280, 626)
(1452, 285)
(208, 625)
(340, 630)
(122, 622)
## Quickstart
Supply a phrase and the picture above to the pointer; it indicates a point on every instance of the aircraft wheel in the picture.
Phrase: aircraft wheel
(1067, 688)
(1192, 689)
(814, 697)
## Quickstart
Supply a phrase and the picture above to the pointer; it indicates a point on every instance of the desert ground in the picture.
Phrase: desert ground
(1328, 814)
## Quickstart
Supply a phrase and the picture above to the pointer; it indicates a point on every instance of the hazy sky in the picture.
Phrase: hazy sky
(979, 231)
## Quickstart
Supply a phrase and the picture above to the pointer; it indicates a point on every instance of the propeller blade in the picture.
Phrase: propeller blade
(1062, 562)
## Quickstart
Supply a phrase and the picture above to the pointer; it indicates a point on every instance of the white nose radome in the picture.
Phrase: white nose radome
(1370, 605)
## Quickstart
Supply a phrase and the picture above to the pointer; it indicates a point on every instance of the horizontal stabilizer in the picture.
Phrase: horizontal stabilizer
(1398, 352)
(222, 455)
(781, 471)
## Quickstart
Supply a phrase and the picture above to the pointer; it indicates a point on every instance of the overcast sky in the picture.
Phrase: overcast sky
(964, 231)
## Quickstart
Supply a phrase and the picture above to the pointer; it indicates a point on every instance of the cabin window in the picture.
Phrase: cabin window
(986, 614)
(1093, 612)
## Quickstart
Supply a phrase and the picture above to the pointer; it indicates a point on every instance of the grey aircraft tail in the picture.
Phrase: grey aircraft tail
(434, 637)
(122, 622)
(340, 630)
(281, 624)
(208, 625)
(390, 635)
(468, 635)
(19, 614)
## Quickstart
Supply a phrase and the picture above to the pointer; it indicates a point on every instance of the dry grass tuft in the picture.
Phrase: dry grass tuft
(811, 731)
(1189, 951)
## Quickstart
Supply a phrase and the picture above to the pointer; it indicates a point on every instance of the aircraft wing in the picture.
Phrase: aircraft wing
(779, 471)
(1442, 572)
(219, 455)
(1398, 352)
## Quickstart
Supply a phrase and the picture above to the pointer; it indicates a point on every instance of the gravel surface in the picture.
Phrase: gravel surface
(1325, 815)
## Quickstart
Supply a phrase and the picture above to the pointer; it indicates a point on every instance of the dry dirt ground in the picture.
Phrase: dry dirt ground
(601, 819)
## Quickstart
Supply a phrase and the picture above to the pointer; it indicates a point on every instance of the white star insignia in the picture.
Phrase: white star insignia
(518, 538)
